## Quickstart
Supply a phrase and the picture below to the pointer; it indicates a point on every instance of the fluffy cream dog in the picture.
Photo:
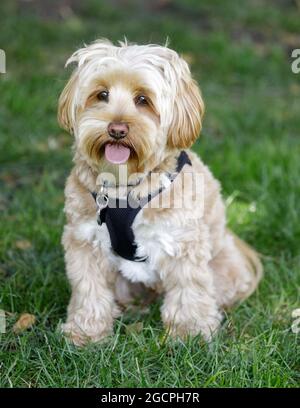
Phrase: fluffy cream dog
(137, 107)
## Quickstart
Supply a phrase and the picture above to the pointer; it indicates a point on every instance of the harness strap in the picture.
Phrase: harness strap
(119, 216)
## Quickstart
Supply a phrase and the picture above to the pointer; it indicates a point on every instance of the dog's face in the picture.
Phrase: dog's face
(130, 104)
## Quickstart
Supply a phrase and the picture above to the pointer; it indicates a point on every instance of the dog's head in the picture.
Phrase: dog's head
(130, 104)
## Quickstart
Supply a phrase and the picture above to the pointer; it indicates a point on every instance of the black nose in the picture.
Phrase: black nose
(118, 130)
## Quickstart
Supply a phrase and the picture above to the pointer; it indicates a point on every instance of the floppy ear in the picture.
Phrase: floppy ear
(66, 109)
(187, 114)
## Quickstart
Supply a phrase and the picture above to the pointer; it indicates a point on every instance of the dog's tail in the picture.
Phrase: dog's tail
(254, 265)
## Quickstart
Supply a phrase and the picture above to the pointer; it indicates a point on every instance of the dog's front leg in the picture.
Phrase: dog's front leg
(92, 307)
(189, 307)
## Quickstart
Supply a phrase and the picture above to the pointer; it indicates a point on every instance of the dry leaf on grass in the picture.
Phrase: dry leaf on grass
(23, 244)
(26, 320)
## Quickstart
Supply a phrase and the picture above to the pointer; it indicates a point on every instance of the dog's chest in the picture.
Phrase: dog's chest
(154, 241)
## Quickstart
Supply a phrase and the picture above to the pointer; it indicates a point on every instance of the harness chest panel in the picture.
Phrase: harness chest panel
(119, 216)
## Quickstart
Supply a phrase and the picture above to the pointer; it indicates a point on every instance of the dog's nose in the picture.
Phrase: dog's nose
(118, 130)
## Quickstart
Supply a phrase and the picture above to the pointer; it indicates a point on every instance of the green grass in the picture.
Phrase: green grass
(241, 57)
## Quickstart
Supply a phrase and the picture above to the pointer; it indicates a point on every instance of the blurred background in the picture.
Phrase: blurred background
(239, 52)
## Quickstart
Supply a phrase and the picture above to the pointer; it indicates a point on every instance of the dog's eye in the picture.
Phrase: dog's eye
(141, 100)
(103, 96)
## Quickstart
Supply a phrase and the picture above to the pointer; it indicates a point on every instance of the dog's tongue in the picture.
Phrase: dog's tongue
(116, 154)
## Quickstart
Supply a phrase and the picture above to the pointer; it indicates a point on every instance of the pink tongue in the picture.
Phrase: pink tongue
(116, 154)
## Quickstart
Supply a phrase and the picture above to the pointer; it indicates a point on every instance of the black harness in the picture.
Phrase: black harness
(119, 216)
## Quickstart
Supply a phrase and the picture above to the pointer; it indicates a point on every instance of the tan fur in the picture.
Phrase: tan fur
(65, 103)
(253, 261)
(188, 112)
(198, 265)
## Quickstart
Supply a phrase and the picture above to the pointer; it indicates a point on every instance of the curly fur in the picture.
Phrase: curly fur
(194, 261)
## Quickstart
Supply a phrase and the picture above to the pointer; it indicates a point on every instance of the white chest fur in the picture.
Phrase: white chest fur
(153, 241)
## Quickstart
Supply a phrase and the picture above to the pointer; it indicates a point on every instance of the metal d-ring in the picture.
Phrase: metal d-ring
(102, 201)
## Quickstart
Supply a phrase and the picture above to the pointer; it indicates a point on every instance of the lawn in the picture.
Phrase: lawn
(241, 56)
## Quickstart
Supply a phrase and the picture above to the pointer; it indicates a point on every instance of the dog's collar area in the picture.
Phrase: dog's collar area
(119, 214)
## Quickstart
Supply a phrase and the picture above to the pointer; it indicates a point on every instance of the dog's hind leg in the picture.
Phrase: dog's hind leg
(237, 270)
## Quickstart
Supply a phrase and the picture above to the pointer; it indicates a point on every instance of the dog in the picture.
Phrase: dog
(136, 108)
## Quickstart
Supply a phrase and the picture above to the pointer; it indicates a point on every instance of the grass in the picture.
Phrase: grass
(241, 58)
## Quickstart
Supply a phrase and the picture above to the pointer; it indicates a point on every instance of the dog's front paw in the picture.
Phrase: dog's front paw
(83, 332)
(182, 324)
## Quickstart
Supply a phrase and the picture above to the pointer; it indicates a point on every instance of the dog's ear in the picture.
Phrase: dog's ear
(65, 114)
(187, 112)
